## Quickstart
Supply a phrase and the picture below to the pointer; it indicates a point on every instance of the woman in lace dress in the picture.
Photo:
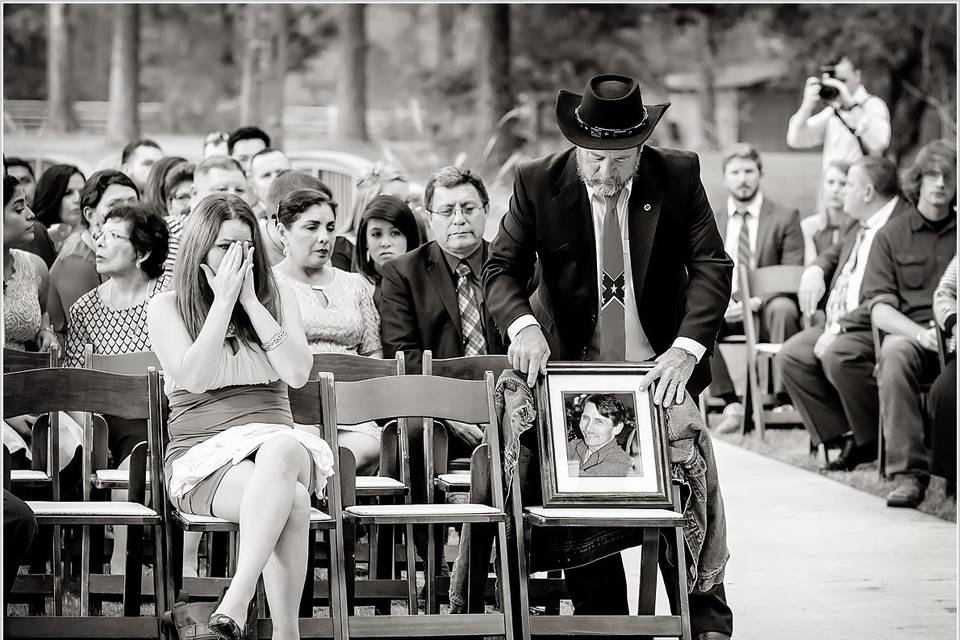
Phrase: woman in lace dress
(230, 340)
(337, 307)
(25, 321)
(131, 247)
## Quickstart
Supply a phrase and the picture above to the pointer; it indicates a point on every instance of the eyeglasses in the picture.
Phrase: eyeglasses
(467, 208)
(109, 235)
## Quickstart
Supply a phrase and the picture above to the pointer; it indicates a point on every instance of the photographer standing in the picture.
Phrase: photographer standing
(852, 125)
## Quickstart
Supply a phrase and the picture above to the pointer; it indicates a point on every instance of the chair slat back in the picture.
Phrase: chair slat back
(305, 402)
(466, 368)
(14, 360)
(780, 279)
(412, 396)
(127, 363)
(68, 389)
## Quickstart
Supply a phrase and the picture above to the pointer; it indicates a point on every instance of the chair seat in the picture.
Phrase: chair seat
(734, 339)
(102, 512)
(590, 517)
(768, 348)
(380, 486)
(192, 522)
(423, 513)
(29, 478)
(113, 479)
(452, 481)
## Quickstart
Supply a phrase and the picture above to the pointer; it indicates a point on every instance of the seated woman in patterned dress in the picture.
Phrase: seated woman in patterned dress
(231, 340)
(26, 323)
(131, 247)
(337, 309)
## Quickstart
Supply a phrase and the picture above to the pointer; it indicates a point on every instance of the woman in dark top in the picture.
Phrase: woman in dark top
(57, 201)
(388, 229)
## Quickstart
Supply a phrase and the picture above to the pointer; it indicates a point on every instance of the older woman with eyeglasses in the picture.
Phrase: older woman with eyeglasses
(131, 247)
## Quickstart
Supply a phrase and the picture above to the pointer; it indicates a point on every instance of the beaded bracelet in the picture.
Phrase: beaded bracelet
(275, 341)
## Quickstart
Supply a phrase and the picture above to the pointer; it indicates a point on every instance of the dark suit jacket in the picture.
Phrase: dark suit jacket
(779, 237)
(418, 308)
(833, 259)
(681, 275)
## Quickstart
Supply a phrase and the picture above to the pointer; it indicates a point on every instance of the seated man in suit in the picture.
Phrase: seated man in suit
(906, 262)
(757, 233)
(432, 298)
(828, 370)
(597, 453)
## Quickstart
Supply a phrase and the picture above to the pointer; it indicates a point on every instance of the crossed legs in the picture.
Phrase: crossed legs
(268, 497)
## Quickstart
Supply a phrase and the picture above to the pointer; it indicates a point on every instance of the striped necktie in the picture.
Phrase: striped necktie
(613, 339)
(473, 343)
(837, 300)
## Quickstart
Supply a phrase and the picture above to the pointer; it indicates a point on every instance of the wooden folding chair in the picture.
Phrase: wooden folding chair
(765, 283)
(175, 522)
(67, 389)
(388, 485)
(646, 623)
(426, 396)
(38, 476)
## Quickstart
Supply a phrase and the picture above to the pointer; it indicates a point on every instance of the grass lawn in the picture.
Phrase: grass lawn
(793, 447)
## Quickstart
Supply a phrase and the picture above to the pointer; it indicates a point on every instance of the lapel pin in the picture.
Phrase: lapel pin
(646, 207)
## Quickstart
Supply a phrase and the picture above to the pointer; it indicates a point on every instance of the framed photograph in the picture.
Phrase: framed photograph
(603, 442)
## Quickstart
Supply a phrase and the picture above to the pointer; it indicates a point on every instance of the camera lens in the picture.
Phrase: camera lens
(828, 93)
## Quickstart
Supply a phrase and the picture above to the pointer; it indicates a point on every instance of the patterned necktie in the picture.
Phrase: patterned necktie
(837, 301)
(613, 338)
(473, 343)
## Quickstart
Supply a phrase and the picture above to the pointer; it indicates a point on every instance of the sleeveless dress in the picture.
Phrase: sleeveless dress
(21, 302)
(245, 405)
(349, 323)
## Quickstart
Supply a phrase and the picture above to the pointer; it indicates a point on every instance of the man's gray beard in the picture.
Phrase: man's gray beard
(601, 187)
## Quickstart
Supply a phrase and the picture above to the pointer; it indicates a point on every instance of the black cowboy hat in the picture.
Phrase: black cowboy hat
(609, 115)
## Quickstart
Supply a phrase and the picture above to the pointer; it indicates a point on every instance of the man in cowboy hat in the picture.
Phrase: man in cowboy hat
(630, 267)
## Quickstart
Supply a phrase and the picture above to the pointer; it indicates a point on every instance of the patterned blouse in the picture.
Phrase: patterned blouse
(21, 302)
(348, 324)
(110, 331)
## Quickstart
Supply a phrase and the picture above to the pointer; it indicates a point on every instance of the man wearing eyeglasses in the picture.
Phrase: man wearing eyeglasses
(432, 299)
(631, 267)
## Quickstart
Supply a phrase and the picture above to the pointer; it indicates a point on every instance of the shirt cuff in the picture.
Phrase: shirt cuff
(691, 346)
(519, 324)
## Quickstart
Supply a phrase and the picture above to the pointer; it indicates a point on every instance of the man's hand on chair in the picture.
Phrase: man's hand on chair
(528, 354)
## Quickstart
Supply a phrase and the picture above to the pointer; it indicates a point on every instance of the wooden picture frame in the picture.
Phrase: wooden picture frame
(586, 459)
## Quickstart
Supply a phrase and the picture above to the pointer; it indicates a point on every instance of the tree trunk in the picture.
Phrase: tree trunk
(60, 116)
(123, 113)
(708, 89)
(494, 97)
(249, 70)
(273, 98)
(446, 18)
(352, 84)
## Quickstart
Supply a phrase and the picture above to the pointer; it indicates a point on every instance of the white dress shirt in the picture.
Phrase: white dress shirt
(638, 347)
(871, 121)
(731, 243)
(873, 224)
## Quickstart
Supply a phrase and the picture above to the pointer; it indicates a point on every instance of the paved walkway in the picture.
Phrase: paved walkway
(816, 559)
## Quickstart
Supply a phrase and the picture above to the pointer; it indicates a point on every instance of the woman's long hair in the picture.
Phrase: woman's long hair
(154, 192)
(194, 295)
(396, 212)
(51, 187)
(10, 185)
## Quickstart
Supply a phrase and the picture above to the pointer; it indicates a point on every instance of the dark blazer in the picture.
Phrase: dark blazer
(779, 237)
(418, 308)
(833, 259)
(681, 275)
